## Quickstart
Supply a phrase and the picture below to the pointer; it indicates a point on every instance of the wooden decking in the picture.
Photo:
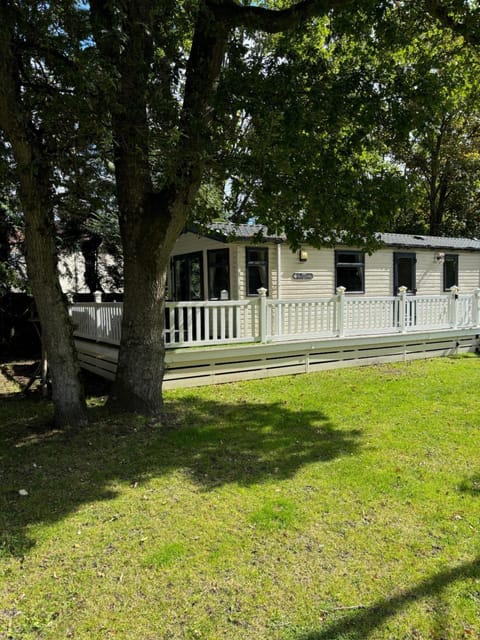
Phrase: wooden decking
(213, 365)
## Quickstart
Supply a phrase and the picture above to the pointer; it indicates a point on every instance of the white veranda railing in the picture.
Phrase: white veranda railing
(263, 320)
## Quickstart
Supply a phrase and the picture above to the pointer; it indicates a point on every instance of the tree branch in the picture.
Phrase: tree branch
(271, 20)
(202, 77)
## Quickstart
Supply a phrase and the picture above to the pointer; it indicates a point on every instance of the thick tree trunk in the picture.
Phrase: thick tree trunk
(151, 219)
(57, 338)
(138, 384)
(147, 247)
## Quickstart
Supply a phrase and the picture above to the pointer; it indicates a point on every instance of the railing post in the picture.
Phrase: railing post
(97, 299)
(69, 297)
(402, 303)
(262, 314)
(475, 308)
(452, 307)
(340, 311)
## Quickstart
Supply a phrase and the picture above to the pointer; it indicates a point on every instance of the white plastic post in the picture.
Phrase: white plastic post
(262, 314)
(475, 308)
(97, 298)
(402, 303)
(340, 311)
(452, 310)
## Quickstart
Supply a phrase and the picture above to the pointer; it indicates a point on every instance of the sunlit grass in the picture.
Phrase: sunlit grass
(337, 506)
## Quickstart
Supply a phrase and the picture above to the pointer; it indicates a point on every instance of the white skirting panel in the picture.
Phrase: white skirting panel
(189, 367)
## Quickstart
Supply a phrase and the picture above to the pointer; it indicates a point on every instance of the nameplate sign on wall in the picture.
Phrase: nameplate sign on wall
(300, 275)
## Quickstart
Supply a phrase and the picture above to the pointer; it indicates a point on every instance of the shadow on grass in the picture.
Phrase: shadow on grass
(471, 485)
(214, 443)
(362, 623)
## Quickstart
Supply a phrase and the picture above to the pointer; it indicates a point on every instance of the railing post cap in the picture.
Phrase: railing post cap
(454, 289)
(262, 291)
(97, 296)
(341, 290)
(402, 289)
(70, 298)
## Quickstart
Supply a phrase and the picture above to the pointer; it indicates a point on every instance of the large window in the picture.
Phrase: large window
(450, 271)
(350, 271)
(257, 269)
(218, 273)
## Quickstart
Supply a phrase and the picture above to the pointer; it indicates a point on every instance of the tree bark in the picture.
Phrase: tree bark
(57, 338)
(138, 383)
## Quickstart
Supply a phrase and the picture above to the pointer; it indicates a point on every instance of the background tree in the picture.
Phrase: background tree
(429, 80)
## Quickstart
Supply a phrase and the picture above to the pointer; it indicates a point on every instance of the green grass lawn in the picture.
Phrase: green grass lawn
(334, 506)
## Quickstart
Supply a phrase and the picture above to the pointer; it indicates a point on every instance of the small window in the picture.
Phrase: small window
(350, 271)
(218, 273)
(450, 271)
(257, 269)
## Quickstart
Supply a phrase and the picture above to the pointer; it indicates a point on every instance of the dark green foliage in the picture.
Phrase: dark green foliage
(309, 158)
(430, 80)
(357, 123)
(12, 267)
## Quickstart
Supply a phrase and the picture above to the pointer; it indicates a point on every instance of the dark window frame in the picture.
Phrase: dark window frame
(188, 258)
(255, 263)
(412, 257)
(348, 265)
(452, 258)
(210, 254)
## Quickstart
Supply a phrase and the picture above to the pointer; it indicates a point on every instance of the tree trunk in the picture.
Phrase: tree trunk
(438, 182)
(57, 337)
(151, 220)
(138, 383)
(148, 243)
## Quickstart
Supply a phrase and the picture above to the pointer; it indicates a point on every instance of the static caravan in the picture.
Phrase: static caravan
(227, 262)
(264, 310)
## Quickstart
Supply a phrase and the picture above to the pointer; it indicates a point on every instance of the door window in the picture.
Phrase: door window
(450, 271)
(218, 273)
(187, 277)
(257, 269)
(404, 272)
